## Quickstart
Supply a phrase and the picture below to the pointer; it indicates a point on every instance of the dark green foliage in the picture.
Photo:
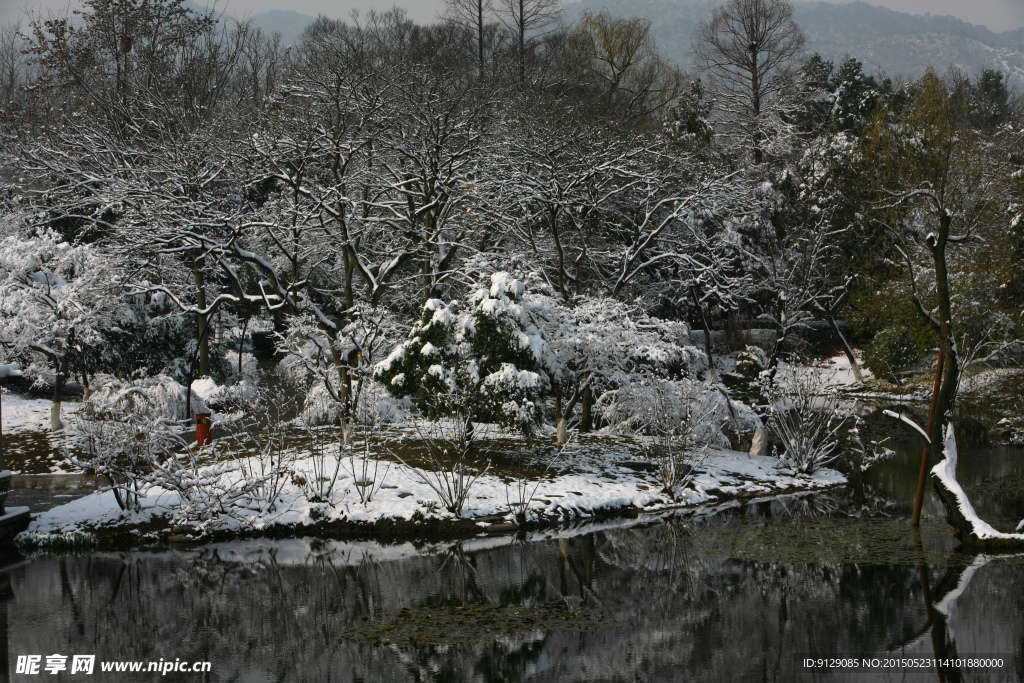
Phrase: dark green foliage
(894, 351)
(495, 341)
(839, 98)
(689, 122)
(162, 344)
(484, 365)
(991, 100)
(430, 343)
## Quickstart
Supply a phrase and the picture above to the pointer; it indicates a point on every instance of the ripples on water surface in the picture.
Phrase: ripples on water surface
(744, 595)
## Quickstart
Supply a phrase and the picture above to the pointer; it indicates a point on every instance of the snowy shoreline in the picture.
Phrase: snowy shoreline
(610, 484)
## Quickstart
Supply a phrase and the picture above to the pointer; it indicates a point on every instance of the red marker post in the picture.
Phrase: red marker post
(202, 428)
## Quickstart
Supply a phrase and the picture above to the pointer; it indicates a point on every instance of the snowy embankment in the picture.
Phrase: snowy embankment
(598, 483)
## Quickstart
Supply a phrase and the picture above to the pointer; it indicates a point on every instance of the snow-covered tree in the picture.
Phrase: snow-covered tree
(483, 361)
(560, 189)
(56, 299)
(602, 345)
(749, 48)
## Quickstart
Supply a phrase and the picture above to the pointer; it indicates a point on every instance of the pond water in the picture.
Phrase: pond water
(746, 594)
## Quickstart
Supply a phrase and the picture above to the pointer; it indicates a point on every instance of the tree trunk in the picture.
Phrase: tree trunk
(346, 405)
(241, 339)
(846, 349)
(201, 319)
(341, 366)
(85, 376)
(587, 416)
(775, 357)
(755, 103)
(58, 395)
(522, 43)
(952, 500)
(562, 432)
(714, 371)
(427, 285)
(955, 501)
(759, 446)
(950, 373)
(480, 34)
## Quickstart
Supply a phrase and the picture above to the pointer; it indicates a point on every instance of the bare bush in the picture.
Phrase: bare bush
(325, 462)
(676, 419)
(806, 415)
(362, 464)
(266, 465)
(526, 486)
(259, 446)
(124, 440)
(330, 452)
(454, 460)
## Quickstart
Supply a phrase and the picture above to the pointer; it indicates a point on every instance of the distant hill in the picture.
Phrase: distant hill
(895, 42)
(906, 43)
(288, 23)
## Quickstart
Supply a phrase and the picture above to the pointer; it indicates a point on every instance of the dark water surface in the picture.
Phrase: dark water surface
(743, 595)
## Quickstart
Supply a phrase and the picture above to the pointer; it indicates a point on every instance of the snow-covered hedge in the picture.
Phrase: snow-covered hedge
(624, 409)
(240, 389)
(375, 406)
(167, 397)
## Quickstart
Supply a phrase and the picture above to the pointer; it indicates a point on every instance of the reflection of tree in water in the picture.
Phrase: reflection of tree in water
(663, 560)
(521, 583)
(855, 501)
(812, 506)
(277, 611)
(462, 585)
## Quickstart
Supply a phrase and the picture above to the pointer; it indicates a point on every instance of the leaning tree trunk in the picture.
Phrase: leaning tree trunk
(967, 526)
(564, 412)
(846, 348)
(974, 533)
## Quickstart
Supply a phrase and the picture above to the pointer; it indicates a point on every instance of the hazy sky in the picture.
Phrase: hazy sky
(998, 15)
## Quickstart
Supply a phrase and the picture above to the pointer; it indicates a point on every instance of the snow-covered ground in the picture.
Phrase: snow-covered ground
(837, 370)
(30, 414)
(986, 379)
(598, 479)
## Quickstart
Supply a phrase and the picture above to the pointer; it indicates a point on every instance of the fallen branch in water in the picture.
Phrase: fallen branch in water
(971, 530)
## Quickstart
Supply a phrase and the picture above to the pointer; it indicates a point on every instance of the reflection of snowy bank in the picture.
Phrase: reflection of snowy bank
(602, 478)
